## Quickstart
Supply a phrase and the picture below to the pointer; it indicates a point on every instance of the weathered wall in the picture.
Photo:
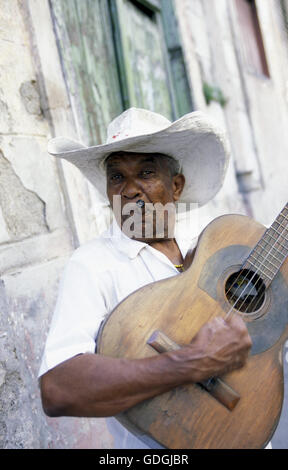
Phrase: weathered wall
(255, 114)
(37, 231)
(204, 65)
(268, 107)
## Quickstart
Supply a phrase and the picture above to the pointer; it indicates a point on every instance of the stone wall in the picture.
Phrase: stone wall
(38, 228)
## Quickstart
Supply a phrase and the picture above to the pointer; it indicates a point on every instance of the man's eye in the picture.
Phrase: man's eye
(116, 178)
(147, 173)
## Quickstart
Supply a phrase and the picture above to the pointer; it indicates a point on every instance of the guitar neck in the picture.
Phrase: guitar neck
(272, 249)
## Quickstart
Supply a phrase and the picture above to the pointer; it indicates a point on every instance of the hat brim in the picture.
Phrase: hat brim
(194, 140)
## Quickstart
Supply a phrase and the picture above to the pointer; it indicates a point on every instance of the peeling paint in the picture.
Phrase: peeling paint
(23, 210)
(29, 92)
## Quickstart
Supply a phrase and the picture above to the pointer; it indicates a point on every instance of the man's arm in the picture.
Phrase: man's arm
(92, 385)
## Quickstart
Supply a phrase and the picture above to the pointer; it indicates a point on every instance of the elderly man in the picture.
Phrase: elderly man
(141, 159)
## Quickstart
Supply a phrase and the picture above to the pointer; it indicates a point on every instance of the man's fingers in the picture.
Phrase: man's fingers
(238, 325)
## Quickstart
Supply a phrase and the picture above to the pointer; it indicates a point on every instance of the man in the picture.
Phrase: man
(142, 160)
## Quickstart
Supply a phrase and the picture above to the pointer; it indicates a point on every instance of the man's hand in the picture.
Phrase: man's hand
(219, 347)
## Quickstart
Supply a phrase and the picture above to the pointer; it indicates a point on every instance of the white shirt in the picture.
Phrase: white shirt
(98, 276)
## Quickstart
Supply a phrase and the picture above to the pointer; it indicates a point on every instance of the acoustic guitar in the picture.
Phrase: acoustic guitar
(239, 267)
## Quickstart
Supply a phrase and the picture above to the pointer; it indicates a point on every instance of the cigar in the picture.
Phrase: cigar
(140, 203)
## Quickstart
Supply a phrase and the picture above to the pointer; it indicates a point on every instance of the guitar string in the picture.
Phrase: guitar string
(258, 302)
(279, 261)
(246, 311)
(253, 285)
(232, 308)
(259, 279)
(242, 268)
(265, 248)
(241, 272)
(256, 272)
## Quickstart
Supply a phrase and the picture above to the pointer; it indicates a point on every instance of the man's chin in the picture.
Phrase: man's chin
(147, 231)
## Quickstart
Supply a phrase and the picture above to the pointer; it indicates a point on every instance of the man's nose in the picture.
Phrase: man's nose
(131, 190)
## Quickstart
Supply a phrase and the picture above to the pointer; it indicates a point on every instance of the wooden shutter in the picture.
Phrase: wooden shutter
(182, 98)
(141, 54)
(117, 54)
(84, 33)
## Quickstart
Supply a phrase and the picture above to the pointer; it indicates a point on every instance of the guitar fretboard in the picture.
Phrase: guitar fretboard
(271, 251)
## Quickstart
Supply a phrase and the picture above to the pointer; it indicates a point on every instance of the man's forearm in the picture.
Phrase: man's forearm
(95, 385)
(92, 385)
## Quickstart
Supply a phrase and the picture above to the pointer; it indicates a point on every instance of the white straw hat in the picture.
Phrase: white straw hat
(193, 140)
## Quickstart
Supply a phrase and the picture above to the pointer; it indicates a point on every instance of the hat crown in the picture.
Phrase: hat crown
(135, 122)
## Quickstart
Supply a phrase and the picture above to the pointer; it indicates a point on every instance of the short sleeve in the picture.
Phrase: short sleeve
(79, 311)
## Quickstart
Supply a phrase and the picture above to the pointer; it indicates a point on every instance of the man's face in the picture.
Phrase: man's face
(132, 177)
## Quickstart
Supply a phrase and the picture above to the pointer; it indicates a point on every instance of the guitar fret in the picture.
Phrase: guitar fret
(275, 242)
(267, 251)
(262, 266)
(272, 248)
(285, 217)
(265, 260)
(284, 230)
(277, 239)
(279, 233)
(282, 253)
(285, 209)
(271, 251)
(264, 274)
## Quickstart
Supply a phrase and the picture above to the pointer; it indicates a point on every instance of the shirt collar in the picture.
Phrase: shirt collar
(131, 248)
(126, 245)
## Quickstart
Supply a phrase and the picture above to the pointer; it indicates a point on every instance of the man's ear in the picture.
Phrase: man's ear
(178, 185)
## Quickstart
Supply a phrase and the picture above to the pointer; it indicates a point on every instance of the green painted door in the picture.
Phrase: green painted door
(142, 57)
(117, 54)
(84, 33)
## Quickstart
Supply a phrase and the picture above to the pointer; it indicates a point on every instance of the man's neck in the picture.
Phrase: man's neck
(170, 248)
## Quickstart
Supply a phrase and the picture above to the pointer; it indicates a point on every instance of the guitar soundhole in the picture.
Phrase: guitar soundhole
(245, 291)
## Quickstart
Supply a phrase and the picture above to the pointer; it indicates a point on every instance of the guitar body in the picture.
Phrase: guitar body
(189, 417)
